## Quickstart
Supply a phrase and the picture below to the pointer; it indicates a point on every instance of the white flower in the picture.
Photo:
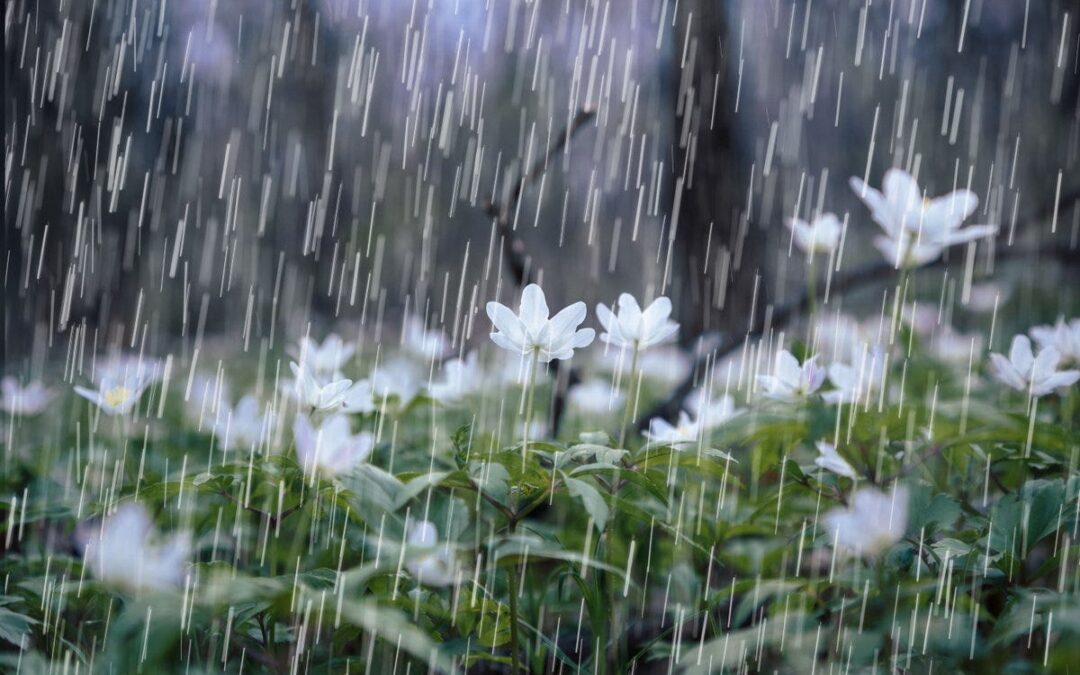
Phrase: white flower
(790, 381)
(685, 432)
(328, 358)
(311, 392)
(874, 521)
(595, 397)
(822, 235)
(831, 460)
(842, 337)
(664, 365)
(332, 448)
(917, 229)
(398, 378)
(129, 368)
(125, 551)
(950, 346)
(633, 328)
(1037, 375)
(116, 397)
(244, 424)
(461, 377)
(24, 400)
(856, 383)
(709, 411)
(422, 342)
(1062, 336)
(433, 564)
(530, 331)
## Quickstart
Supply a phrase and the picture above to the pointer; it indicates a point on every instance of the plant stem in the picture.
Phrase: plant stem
(811, 288)
(631, 397)
(515, 666)
(531, 387)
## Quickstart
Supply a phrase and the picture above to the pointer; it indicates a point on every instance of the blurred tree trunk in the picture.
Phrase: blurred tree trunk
(716, 258)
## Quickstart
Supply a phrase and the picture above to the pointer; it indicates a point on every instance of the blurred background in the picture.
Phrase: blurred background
(179, 172)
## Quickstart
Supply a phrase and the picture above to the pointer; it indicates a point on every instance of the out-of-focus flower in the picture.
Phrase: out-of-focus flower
(986, 296)
(595, 397)
(874, 521)
(821, 235)
(842, 337)
(830, 460)
(855, 383)
(663, 365)
(530, 331)
(461, 377)
(310, 392)
(115, 397)
(1036, 375)
(30, 399)
(332, 448)
(923, 319)
(326, 359)
(711, 411)
(632, 328)
(125, 551)
(433, 564)
(1062, 336)
(686, 431)
(790, 381)
(423, 342)
(917, 229)
(129, 368)
(952, 347)
(245, 424)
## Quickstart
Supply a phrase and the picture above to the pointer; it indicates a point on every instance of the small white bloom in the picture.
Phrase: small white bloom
(857, 383)
(822, 235)
(115, 397)
(332, 448)
(244, 425)
(1037, 375)
(686, 431)
(595, 397)
(632, 327)
(952, 347)
(917, 229)
(30, 399)
(1062, 336)
(790, 381)
(311, 392)
(129, 368)
(423, 342)
(830, 460)
(461, 377)
(874, 521)
(124, 550)
(664, 365)
(712, 412)
(531, 331)
(433, 564)
(326, 359)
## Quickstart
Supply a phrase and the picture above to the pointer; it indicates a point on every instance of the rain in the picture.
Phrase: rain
(540, 336)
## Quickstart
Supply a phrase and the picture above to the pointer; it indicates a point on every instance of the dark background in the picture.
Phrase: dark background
(241, 172)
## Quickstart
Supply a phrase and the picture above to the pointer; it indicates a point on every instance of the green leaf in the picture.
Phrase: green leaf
(14, 626)
(594, 502)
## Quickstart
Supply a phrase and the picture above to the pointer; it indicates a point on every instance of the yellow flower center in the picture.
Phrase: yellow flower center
(117, 396)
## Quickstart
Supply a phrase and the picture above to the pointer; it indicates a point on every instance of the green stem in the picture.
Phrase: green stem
(811, 287)
(631, 398)
(531, 385)
(515, 666)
